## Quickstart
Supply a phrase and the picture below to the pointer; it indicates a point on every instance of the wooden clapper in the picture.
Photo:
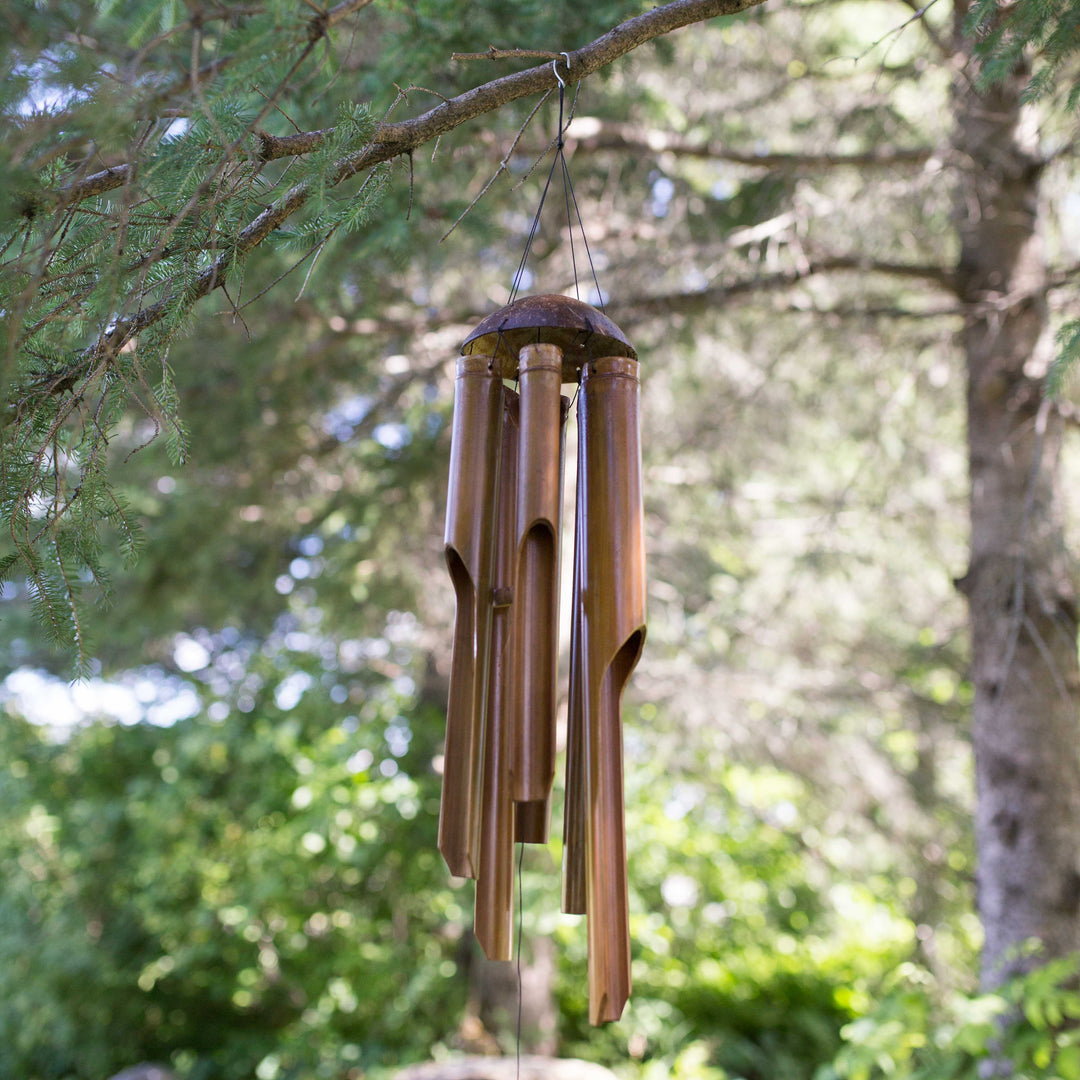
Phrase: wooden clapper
(502, 551)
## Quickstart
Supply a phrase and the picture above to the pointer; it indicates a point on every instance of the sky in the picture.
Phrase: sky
(148, 695)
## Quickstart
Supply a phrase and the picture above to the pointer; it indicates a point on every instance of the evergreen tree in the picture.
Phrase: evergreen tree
(142, 171)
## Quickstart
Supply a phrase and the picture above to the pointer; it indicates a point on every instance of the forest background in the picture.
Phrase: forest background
(842, 235)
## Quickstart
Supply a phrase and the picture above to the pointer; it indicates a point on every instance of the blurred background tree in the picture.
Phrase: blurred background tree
(818, 226)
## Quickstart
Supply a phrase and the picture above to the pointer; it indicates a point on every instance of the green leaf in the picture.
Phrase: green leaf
(1067, 1063)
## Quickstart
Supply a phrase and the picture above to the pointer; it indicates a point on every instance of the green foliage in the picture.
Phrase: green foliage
(98, 287)
(1042, 36)
(78, 271)
(1068, 342)
(256, 890)
(227, 886)
(1028, 1027)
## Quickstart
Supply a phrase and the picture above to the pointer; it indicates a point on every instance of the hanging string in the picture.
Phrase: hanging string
(560, 156)
(568, 185)
(570, 197)
(536, 217)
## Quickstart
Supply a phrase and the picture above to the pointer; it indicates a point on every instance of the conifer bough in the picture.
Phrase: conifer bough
(96, 287)
(393, 140)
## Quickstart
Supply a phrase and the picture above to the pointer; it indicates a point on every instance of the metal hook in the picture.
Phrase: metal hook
(554, 68)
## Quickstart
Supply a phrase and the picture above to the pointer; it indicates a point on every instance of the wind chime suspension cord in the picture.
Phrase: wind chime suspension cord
(568, 188)
(569, 219)
(536, 217)
(570, 196)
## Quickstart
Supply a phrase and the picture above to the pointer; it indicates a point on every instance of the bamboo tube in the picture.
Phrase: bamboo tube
(470, 529)
(536, 619)
(493, 920)
(574, 806)
(613, 595)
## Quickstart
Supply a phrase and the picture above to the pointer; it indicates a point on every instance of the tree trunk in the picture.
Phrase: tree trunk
(495, 990)
(1019, 585)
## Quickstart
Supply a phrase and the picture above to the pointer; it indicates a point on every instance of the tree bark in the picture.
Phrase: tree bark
(1020, 584)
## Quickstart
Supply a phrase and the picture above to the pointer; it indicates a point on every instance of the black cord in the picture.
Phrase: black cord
(569, 219)
(584, 239)
(571, 197)
(532, 232)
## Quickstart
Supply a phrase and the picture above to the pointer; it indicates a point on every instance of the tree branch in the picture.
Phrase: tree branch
(935, 38)
(506, 54)
(94, 184)
(279, 146)
(341, 11)
(590, 133)
(635, 309)
(932, 272)
(393, 140)
(272, 147)
(587, 132)
(714, 295)
(1062, 276)
(399, 138)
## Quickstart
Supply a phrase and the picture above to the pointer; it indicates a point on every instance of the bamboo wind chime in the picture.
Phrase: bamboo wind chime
(502, 550)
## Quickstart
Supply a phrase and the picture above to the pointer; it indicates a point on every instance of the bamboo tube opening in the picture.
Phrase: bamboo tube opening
(534, 758)
(613, 603)
(536, 621)
(454, 808)
(609, 920)
(532, 821)
(476, 438)
(493, 921)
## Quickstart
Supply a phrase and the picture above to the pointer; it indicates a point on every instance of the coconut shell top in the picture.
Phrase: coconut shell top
(578, 329)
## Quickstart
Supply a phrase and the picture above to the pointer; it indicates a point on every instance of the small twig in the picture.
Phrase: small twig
(341, 67)
(506, 54)
(311, 268)
(554, 142)
(401, 96)
(403, 93)
(236, 312)
(896, 31)
(281, 277)
(277, 107)
(928, 30)
(408, 212)
(426, 90)
(343, 11)
(503, 165)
